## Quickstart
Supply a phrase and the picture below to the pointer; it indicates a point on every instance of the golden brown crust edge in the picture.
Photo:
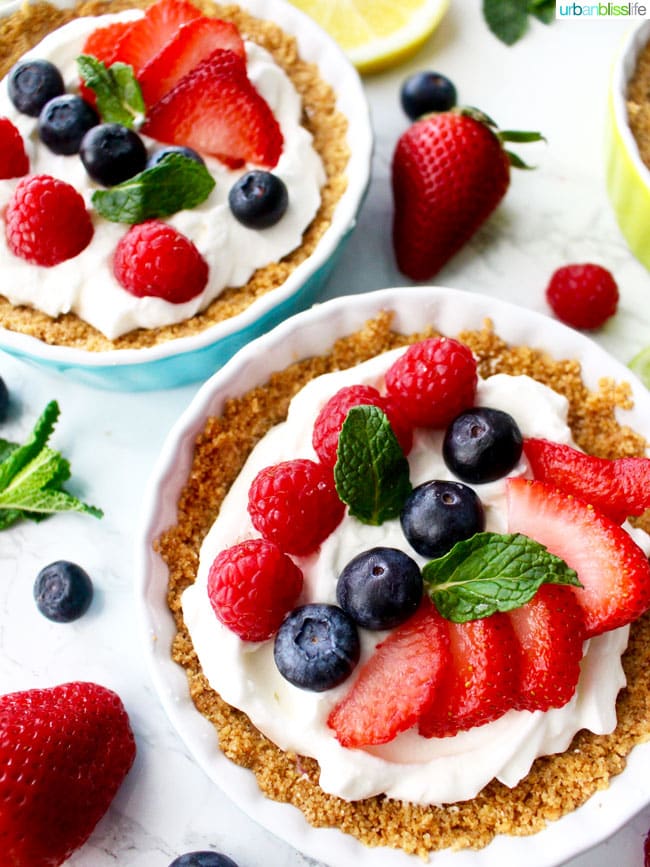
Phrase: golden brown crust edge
(328, 126)
(556, 785)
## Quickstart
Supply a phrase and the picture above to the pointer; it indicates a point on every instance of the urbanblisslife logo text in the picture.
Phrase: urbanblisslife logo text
(602, 10)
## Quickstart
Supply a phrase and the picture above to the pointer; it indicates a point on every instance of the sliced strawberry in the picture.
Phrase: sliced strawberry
(103, 44)
(396, 683)
(194, 42)
(613, 570)
(550, 631)
(618, 488)
(149, 34)
(480, 684)
(216, 110)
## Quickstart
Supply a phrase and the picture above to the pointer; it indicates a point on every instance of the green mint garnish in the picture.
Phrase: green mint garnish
(32, 475)
(508, 19)
(174, 184)
(371, 472)
(492, 572)
(119, 98)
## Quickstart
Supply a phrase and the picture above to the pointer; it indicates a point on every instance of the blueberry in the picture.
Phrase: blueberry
(32, 83)
(160, 153)
(203, 859)
(258, 199)
(64, 121)
(63, 591)
(316, 647)
(4, 399)
(437, 514)
(380, 588)
(425, 92)
(112, 153)
(482, 444)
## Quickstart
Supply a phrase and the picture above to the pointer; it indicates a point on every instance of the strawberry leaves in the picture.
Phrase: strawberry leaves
(492, 572)
(32, 475)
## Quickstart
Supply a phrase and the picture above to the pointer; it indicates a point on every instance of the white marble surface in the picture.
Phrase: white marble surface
(554, 80)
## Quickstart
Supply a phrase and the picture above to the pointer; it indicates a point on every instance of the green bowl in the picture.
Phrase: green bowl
(628, 178)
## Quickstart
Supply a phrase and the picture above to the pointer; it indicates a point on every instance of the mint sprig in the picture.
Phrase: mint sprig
(371, 472)
(174, 184)
(491, 572)
(32, 475)
(118, 95)
(508, 19)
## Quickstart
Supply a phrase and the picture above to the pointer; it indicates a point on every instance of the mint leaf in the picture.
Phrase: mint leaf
(371, 472)
(543, 10)
(31, 476)
(174, 184)
(119, 98)
(492, 572)
(507, 19)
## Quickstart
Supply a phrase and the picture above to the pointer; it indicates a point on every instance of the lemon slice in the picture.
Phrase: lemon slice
(376, 34)
(640, 365)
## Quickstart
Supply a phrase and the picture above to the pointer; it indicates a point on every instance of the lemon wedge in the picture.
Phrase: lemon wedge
(376, 34)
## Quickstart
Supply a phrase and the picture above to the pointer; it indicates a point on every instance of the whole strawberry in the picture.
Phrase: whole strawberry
(450, 171)
(64, 751)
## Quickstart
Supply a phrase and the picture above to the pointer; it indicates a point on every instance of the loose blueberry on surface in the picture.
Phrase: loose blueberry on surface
(316, 647)
(380, 588)
(112, 153)
(424, 92)
(203, 859)
(32, 83)
(63, 591)
(160, 153)
(258, 199)
(64, 121)
(4, 399)
(482, 444)
(437, 514)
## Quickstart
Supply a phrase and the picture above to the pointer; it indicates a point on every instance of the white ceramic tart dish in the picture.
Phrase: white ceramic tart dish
(180, 354)
(313, 333)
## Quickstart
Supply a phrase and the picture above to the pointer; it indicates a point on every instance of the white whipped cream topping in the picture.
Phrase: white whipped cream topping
(85, 284)
(412, 768)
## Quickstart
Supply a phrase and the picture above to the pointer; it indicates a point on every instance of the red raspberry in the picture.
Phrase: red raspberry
(583, 296)
(252, 586)
(154, 259)
(330, 419)
(433, 381)
(47, 221)
(295, 505)
(13, 159)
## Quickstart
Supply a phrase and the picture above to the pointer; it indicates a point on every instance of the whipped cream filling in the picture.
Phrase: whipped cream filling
(85, 284)
(412, 768)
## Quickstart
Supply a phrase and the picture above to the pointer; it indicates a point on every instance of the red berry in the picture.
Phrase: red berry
(433, 381)
(330, 419)
(396, 683)
(618, 488)
(612, 568)
(550, 633)
(216, 110)
(47, 221)
(480, 683)
(252, 586)
(13, 160)
(583, 296)
(295, 505)
(146, 36)
(154, 259)
(103, 44)
(194, 42)
(64, 752)
(449, 173)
